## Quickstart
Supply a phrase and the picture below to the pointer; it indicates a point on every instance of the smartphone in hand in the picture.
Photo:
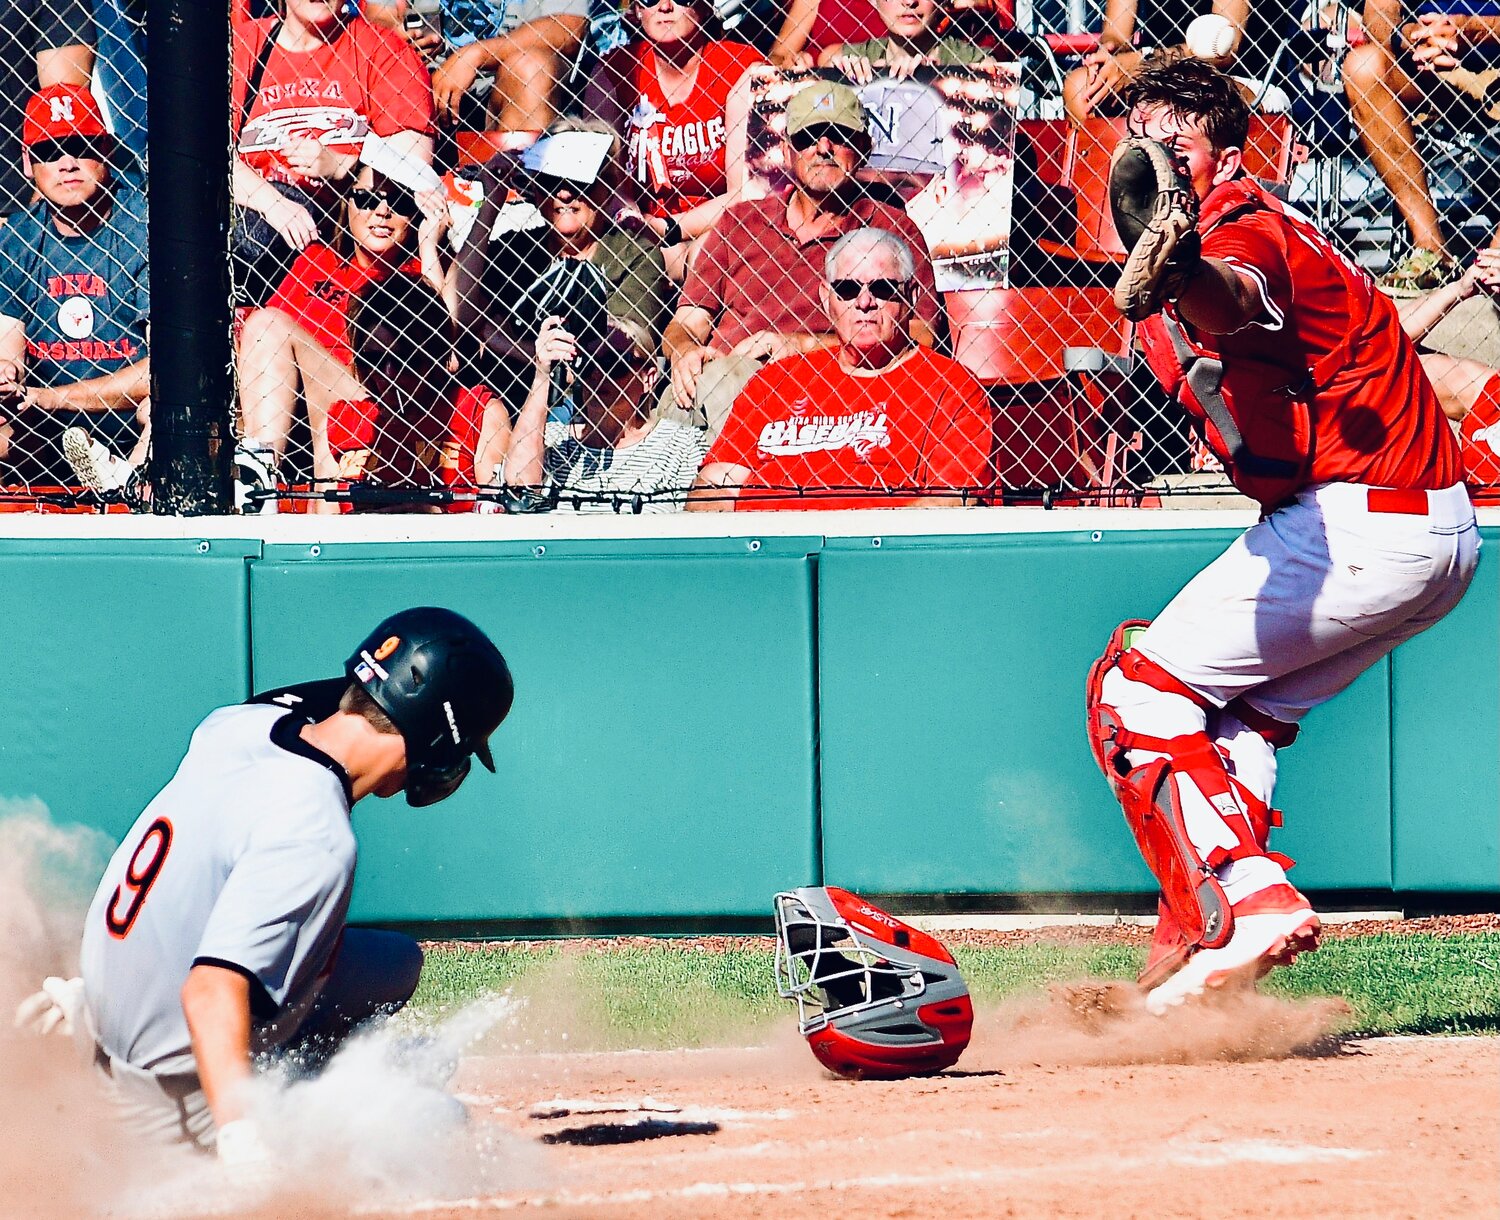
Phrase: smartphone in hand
(424, 30)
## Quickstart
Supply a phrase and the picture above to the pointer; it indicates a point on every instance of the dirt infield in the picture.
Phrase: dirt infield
(1031, 1124)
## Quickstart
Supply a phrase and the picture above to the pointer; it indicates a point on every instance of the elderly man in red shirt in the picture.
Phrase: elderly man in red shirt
(752, 294)
(876, 421)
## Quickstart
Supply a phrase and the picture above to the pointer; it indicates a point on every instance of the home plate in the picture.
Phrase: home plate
(560, 1107)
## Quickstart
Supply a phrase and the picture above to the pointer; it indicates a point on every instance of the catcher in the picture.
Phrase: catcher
(1314, 399)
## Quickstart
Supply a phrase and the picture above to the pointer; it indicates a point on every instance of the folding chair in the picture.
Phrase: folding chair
(1055, 361)
(1272, 150)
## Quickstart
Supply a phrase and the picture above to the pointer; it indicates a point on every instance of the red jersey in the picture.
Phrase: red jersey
(317, 290)
(367, 79)
(1480, 441)
(1324, 385)
(844, 21)
(922, 425)
(394, 450)
(675, 151)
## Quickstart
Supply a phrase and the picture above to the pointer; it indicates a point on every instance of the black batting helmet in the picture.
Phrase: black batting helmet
(444, 684)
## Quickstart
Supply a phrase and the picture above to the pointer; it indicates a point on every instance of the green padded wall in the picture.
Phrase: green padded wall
(1446, 689)
(113, 653)
(953, 755)
(701, 722)
(657, 761)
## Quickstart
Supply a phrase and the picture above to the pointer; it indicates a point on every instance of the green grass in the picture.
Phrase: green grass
(671, 995)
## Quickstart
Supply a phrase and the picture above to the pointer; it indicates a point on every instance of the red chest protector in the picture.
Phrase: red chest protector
(1256, 414)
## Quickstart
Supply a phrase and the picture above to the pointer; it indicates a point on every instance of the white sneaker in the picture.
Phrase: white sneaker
(1270, 929)
(255, 472)
(94, 465)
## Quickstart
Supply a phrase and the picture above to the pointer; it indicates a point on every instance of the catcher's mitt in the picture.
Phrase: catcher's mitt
(1156, 216)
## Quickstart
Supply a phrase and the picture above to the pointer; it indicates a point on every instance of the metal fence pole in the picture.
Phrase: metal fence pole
(192, 386)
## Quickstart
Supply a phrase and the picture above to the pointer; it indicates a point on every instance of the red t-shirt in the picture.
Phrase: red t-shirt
(752, 274)
(843, 21)
(675, 153)
(1480, 435)
(367, 79)
(807, 422)
(394, 450)
(317, 290)
(1374, 418)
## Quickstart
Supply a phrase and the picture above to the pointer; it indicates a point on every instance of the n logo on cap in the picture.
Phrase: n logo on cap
(62, 109)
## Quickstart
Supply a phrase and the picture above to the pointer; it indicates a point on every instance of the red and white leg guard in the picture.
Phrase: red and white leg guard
(1192, 820)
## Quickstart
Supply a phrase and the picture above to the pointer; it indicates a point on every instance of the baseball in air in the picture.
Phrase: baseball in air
(1210, 36)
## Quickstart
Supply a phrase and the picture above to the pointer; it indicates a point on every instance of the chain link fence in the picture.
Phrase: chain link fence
(555, 255)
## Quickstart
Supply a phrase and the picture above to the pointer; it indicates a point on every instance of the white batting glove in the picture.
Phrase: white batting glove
(53, 1009)
(243, 1153)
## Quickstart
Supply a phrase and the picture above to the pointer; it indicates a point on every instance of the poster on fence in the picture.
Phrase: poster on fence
(942, 144)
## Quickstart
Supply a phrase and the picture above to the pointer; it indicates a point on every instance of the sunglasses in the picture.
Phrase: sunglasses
(79, 148)
(401, 202)
(675, 4)
(881, 290)
(808, 137)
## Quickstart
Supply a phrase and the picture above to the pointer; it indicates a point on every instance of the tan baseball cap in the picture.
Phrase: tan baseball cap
(825, 102)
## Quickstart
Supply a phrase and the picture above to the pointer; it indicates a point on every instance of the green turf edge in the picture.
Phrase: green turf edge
(668, 995)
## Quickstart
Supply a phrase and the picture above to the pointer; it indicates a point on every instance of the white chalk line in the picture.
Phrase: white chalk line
(1204, 1155)
(778, 1148)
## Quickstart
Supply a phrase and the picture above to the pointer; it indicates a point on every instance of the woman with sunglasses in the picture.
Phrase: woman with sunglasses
(307, 87)
(506, 287)
(679, 94)
(612, 455)
(298, 345)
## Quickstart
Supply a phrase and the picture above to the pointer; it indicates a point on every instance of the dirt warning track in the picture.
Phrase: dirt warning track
(1390, 1127)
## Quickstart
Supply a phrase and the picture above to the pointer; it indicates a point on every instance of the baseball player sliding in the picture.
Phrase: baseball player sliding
(218, 930)
(1315, 401)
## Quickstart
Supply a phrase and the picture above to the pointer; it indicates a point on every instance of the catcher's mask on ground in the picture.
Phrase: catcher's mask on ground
(876, 999)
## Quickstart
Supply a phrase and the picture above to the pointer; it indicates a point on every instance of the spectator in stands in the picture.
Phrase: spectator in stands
(611, 456)
(527, 47)
(810, 26)
(1468, 390)
(306, 90)
(678, 93)
(120, 74)
(752, 293)
(877, 412)
(298, 345)
(418, 427)
(1260, 27)
(74, 297)
(910, 40)
(507, 285)
(1422, 64)
(45, 43)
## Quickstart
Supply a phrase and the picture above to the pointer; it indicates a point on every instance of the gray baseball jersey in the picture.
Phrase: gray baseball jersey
(244, 860)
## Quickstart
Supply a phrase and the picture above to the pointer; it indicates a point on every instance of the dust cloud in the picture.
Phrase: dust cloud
(376, 1129)
(1094, 1023)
